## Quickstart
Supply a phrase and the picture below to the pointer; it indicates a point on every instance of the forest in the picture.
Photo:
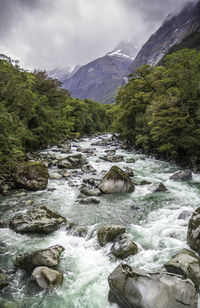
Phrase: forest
(36, 112)
(158, 110)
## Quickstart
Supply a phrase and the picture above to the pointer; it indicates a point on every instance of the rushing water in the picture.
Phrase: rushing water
(155, 228)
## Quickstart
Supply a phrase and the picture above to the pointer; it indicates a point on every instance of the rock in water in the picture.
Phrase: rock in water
(182, 176)
(132, 287)
(157, 187)
(72, 162)
(46, 257)
(37, 220)
(46, 278)
(123, 247)
(185, 263)
(116, 181)
(31, 175)
(193, 235)
(107, 234)
(3, 281)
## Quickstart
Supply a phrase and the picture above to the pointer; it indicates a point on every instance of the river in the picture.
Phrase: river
(151, 220)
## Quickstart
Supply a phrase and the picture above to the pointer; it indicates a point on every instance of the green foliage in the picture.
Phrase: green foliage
(159, 109)
(35, 111)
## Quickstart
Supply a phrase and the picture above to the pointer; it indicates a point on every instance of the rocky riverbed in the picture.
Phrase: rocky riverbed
(103, 207)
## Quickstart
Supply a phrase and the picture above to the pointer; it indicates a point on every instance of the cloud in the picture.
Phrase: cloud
(47, 33)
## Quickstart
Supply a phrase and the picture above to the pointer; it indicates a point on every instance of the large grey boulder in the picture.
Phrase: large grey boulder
(122, 247)
(193, 234)
(133, 288)
(116, 181)
(37, 220)
(46, 257)
(46, 278)
(31, 175)
(72, 162)
(108, 233)
(185, 263)
(182, 175)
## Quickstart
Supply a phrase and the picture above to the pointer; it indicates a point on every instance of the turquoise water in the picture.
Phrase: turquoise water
(155, 228)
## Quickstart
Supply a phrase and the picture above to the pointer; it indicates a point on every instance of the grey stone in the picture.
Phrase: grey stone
(108, 233)
(135, 288)
(37, 220)
(185, 263)
(46, 278)
(45, 257)
(116, 181)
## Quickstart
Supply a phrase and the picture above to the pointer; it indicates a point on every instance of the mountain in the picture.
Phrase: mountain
(173, 31)
(100, 79)
(63, 74)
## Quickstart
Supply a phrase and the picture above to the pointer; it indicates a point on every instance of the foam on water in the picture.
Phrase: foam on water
(152, 221)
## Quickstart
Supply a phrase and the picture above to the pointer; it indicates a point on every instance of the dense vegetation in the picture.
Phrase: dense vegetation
(159, 109)
(35, 111)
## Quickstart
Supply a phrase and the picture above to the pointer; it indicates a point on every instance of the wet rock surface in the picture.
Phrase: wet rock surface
(131, 287)
(116, 181)
(45, 257)
(157, 187)
(72, 162)
(193, 235)
(123, 248)
(107, 234)
(182, 175)
(31, 176)
(185, 263)
(46, 278)
(37, 220)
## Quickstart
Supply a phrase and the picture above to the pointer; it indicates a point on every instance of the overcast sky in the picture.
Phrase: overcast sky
(46, 34)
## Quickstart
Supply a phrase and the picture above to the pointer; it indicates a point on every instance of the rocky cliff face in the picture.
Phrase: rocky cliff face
(172, 32)
(100, 79)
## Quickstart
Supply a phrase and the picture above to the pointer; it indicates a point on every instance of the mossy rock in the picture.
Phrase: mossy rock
(3, 281)
(185, 263)
(116, 181)
(193, 235)
(31, 176)
(123, 247)
(107, 234)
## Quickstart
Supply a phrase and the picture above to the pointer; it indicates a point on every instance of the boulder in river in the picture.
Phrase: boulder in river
(3, 281)
(37, 220)
(185, 263)
(113, 158)
(88, 168)
(157, 187)
(116, 181)
(31, 175)
(72, 162)
(182, 175)
(193, 234)
(80, 231)
(45, 257)
(122, 247)
(130, 160)
(89, 200)
(108, 233)
(94, 192)
(46, 278)
(131, 287)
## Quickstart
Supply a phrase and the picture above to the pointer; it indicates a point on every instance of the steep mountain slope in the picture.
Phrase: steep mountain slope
(172, 32)
(100, 79)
